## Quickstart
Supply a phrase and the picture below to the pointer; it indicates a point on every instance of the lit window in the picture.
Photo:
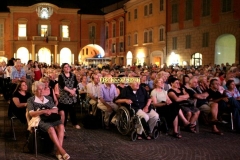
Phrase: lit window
(44, 29)
(65, 31)
(22, 30)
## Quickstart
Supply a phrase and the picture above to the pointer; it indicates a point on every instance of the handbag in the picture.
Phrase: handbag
(51, 118)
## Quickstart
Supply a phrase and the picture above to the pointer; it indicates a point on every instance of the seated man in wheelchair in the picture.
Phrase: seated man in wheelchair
(139, 99)
(107, 95)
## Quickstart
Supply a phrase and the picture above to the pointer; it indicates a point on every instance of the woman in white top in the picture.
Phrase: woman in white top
(166, 108)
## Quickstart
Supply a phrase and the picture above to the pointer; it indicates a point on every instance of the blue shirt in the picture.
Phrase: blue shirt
(108, 93)
(18, 74)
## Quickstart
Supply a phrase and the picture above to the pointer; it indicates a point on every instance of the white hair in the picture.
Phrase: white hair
(35, 85)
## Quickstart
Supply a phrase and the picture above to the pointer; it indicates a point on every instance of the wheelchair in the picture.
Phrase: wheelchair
(128, 122)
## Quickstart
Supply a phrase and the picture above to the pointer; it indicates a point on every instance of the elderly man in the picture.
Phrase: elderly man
(107, 95)
(93, 89)
(202, 103)
(18, 73)
(140, 101)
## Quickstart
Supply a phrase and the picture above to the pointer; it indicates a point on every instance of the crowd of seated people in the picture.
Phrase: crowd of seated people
(177, 93)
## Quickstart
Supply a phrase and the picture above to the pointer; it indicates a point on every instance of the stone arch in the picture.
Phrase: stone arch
(44, 55)
(225, 49)
(65, 56)
(23, 54)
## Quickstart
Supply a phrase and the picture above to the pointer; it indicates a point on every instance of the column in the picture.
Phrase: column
(33, 52)
(56, 60)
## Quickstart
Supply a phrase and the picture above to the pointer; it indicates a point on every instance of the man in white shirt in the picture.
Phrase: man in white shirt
(93, 89)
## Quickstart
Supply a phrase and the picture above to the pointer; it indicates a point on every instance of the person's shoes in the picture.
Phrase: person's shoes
(77, 126)
(139, 137)
(66, 156)
(59, 157)
(177, 135)
(224, 122)
(217, 133)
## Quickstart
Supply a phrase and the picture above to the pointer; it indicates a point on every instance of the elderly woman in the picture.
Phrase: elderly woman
(54, 128)
(165, 108)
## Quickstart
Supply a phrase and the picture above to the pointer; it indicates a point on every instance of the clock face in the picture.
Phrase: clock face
(44, 13)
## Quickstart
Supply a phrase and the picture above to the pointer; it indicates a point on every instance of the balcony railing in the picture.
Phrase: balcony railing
(40, 38)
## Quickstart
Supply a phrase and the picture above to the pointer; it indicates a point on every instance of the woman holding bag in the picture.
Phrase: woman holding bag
(43, 106)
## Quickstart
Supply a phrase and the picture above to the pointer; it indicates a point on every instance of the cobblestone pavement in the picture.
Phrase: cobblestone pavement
(102, 144)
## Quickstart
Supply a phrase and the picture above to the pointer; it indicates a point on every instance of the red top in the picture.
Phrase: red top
(38, 75)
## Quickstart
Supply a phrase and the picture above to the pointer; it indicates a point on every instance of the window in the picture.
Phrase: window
(121, 47)
(161, 5)
(189, 6)
(150, 9)
(174, 13)
(106, 34)
(205, 39)
(114, 30)
(22, 30)
(121, 28)
(206, 7)
(174, 43)
(44, 30)
(161, 34)
(135, 14)
(86, 51)
(145, 10)
(150, 36)
(145, 40)
(197, 59)
(135, 38)
(129, 16)
(226, 5)
(65, 31)
(113, 48)
(1, 36)
(129, 40)
(188, 41)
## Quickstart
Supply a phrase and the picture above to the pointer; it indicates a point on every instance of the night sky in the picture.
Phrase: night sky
(85, 5)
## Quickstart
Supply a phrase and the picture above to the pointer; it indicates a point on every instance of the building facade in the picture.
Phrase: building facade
(42, 32)
(145, 32)
(131, 32)
(203, 31)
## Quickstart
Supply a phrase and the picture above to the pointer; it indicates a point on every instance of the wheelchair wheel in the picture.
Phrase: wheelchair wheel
(123, 123)
(155, 133)
(133, 135)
